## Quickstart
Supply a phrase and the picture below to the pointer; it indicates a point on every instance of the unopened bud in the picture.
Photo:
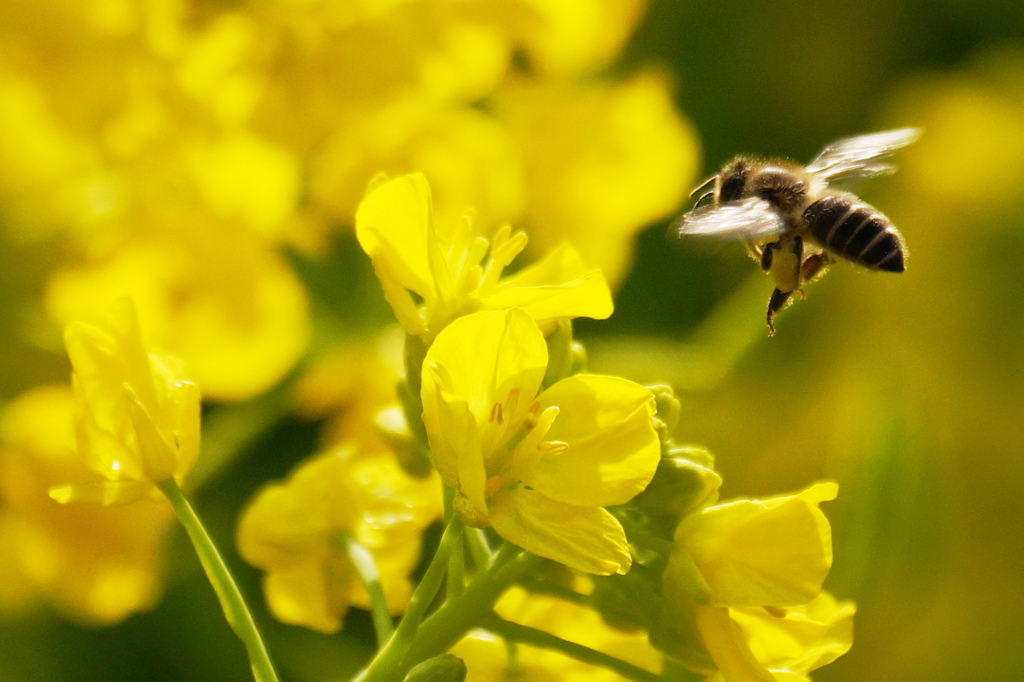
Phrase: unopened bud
(443, 668)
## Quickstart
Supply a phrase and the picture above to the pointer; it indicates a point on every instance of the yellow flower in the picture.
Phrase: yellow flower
(747, 574)
(798, 640)
(772, 552)
(95, 565)
(245, 179)
(138, 414)
(296, 531)
(600, 162)
(220, 299)
(488, 657)
(442, 265)
(572, 37)
(537, 468)
(467, 153)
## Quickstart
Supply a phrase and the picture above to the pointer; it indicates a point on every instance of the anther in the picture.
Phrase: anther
(492, 486)
(512, 401)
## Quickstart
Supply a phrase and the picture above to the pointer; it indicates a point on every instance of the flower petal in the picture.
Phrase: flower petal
(106, 493)
(773, 552)
(155, 453)
(727, 644)
(313, 592)
(613, 447)
(588, 539)
(804, 639)
(558, 286)
(392, 223)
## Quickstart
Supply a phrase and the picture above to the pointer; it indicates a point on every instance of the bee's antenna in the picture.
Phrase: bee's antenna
(704, 183)
(707, 195)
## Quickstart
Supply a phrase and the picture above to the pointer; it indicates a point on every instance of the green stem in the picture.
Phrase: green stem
(456, 575)
(446, 626)
(457, 616)
(366, 567)
(558, 591)
(430, 584)
(479, 550)
(514, 632)
(391, 654)
(231, 601)
(675, 671)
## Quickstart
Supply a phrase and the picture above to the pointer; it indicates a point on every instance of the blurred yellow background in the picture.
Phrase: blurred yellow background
(207, 157)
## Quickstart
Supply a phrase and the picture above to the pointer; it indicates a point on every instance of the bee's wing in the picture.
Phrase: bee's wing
(752, 218)
(862, 156)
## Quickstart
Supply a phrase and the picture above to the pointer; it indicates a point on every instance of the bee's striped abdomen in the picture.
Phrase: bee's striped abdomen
(855, 231)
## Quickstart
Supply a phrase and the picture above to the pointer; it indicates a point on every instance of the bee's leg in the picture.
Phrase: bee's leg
(763, 254)
(812, 268)
(814, 265)
(785, 267)
(757, 252)
(775, 304)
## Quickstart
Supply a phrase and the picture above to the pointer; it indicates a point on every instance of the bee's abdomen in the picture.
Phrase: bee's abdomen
(856, 231)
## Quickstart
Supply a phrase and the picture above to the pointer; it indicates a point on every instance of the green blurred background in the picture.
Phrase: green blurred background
(905, 389)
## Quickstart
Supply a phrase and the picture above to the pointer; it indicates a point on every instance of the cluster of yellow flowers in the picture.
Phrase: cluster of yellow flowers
(177, 151)
(175, 148)
(181, 153)
(576, 468)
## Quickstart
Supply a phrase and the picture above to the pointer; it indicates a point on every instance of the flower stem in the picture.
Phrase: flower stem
(231, 601)
(457, 616)
(390, 656)
(446, 626)
(522, 634)
(366, 567)
(430, 584)
(456, 576)
(479, 550)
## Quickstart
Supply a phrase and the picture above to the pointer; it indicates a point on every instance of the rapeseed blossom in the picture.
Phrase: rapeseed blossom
(138, 413)
(221, 298)
(189, 154)
(137, 426)
(297, 532)
(747, 575)
(537, 466)
(95, 565)
(794, 642)
(444, 265)
(128, 129)
(600, 159)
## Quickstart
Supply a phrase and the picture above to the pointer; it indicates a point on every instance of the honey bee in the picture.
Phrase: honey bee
(791, 218)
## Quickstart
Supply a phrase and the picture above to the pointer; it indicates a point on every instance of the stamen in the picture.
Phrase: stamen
(512, 401)
(477, 249)
(538, 426)
(509, 249)
(496, 415)
(492, 486)
(500, 238)
(552, 447)
(505, 246)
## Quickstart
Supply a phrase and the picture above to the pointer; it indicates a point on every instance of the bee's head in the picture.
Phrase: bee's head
(733, 179)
